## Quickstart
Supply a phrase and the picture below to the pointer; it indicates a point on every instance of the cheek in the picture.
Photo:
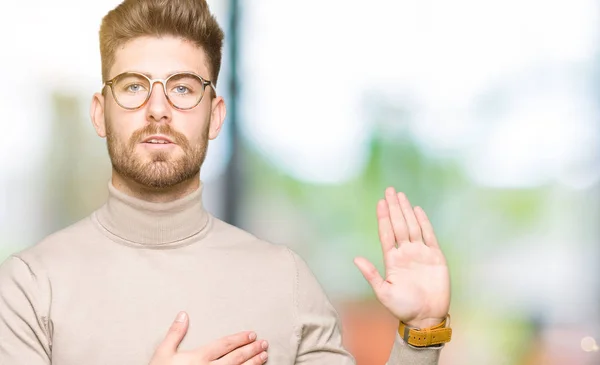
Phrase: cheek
(123, 124)
(193, 126)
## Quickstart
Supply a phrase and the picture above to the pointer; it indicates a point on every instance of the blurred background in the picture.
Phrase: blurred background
(486, 113)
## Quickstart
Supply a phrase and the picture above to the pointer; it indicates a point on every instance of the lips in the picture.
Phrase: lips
(157, 140)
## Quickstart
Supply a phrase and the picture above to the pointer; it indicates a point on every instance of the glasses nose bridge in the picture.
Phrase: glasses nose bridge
(163, 83)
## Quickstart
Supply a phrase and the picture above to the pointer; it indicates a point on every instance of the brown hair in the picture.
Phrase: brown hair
(187, 19)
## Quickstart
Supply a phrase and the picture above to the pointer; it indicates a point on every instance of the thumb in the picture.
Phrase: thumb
(370, 273)
(174, 336)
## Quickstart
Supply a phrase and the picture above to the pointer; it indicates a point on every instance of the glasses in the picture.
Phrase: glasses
(184, 90)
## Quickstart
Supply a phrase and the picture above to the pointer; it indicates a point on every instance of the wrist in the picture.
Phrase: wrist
(424, 322)
(426, 332)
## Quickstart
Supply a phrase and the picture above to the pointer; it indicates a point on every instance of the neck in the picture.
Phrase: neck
(155, 195)
(140, 222)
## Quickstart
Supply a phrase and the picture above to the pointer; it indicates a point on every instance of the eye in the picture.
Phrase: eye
(134, 88)
(180, 89)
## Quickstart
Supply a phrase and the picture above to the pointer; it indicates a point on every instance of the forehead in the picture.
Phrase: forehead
(160, 57)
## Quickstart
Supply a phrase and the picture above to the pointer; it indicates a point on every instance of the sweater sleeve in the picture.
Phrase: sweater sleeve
(319, 331)
(24, 306)
(317, 323)
(405, 354)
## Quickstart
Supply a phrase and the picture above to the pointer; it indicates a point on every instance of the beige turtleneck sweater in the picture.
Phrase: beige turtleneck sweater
(106, 289)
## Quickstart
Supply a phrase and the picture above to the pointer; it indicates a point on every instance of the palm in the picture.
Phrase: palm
(415, 277)
(416, 287)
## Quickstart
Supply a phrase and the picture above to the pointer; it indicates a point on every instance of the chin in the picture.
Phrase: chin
(158, 184)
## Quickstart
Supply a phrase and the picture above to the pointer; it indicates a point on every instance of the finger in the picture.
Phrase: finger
(244, 354)
(396, 216)
(258, 359)
(426, 227)
(174, 336)
(370, 273)
(225, 345)
(386, 232)
(414, 230)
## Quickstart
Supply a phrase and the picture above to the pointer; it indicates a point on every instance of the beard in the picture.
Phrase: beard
(162, 170)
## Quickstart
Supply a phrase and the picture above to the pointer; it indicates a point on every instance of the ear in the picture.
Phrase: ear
(217, 116)
(97, 114)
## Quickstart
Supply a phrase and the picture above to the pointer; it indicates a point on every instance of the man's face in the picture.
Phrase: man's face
(132, 134)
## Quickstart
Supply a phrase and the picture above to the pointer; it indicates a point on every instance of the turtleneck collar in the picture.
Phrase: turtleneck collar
(159, 225)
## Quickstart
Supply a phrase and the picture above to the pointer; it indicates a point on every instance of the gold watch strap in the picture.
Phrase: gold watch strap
(423, 337)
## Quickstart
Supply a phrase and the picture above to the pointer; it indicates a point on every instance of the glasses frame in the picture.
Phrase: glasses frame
(164, 82)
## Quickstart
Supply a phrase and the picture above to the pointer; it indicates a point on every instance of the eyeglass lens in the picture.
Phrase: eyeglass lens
(183, 90)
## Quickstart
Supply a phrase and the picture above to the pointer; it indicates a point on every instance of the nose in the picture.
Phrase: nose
(159, 109)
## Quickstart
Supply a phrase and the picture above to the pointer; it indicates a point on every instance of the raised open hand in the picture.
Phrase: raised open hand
(416, 288)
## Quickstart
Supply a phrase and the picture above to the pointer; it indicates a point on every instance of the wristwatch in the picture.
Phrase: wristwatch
(423, 337)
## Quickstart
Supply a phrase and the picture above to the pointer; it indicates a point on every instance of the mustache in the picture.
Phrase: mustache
(155, 128)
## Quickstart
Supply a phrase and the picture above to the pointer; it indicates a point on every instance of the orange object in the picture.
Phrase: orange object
(368, 331)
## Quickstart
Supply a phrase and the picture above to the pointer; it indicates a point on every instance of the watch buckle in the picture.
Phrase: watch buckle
(406, 333)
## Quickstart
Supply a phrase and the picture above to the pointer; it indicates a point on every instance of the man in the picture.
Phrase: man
(104, 290)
